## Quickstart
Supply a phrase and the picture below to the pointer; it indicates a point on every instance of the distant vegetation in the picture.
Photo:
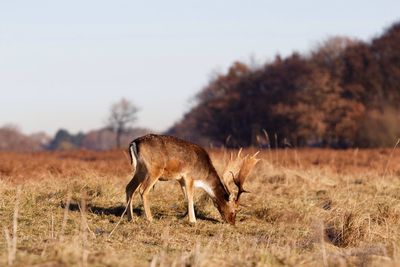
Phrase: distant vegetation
(12, 139)
(345, 93)
(117, 133)
(101, 139)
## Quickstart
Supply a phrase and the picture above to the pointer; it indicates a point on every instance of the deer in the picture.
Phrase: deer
(162, 158)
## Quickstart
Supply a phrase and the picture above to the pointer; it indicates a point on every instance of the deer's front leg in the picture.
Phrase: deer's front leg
(190, 194)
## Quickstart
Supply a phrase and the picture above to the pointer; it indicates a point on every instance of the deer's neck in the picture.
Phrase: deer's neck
(215, 189)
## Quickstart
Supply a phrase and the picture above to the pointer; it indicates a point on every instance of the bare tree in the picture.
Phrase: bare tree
(122, 115)
(12, 139)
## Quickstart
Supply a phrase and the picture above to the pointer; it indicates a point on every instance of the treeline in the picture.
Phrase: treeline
(345, 93)
(12, 139)
(101, 139)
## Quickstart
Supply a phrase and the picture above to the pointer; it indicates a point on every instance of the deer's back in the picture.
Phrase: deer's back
(173, 157)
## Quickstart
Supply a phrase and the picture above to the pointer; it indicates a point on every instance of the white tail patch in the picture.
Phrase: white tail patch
(205, 187)
(133, 155)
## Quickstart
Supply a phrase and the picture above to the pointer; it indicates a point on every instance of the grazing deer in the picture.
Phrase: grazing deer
(160, 157)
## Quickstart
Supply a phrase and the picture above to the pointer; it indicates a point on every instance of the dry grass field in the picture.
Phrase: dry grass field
(307, 207)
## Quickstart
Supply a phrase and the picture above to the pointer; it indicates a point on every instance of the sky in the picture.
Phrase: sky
(64, 63)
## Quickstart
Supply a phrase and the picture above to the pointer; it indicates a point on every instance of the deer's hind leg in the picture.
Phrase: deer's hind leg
(132, 186)
(183, 187)
(147, 184)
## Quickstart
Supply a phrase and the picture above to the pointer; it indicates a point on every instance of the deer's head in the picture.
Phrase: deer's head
(236, 172)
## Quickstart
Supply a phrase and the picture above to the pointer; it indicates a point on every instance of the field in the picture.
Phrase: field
(307, 207)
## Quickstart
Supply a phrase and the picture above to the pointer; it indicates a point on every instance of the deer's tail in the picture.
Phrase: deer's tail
(133, 153)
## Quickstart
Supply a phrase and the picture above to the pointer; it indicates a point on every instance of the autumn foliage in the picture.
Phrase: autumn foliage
(345, 93)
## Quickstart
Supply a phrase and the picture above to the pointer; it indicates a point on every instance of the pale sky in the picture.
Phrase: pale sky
(63, 63)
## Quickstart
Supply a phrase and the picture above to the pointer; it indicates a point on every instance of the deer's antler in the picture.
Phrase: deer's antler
(232, 167)
(247, 165)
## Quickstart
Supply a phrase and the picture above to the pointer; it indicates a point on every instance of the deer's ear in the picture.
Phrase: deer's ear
(232, 197)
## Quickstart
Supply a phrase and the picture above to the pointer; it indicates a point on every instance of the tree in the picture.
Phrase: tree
(12, 139)
(344, 93)
(63, 140)
(122, 114)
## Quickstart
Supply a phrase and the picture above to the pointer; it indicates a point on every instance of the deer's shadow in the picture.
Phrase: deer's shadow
(119, 210)
(199, 215)
(115, 211)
